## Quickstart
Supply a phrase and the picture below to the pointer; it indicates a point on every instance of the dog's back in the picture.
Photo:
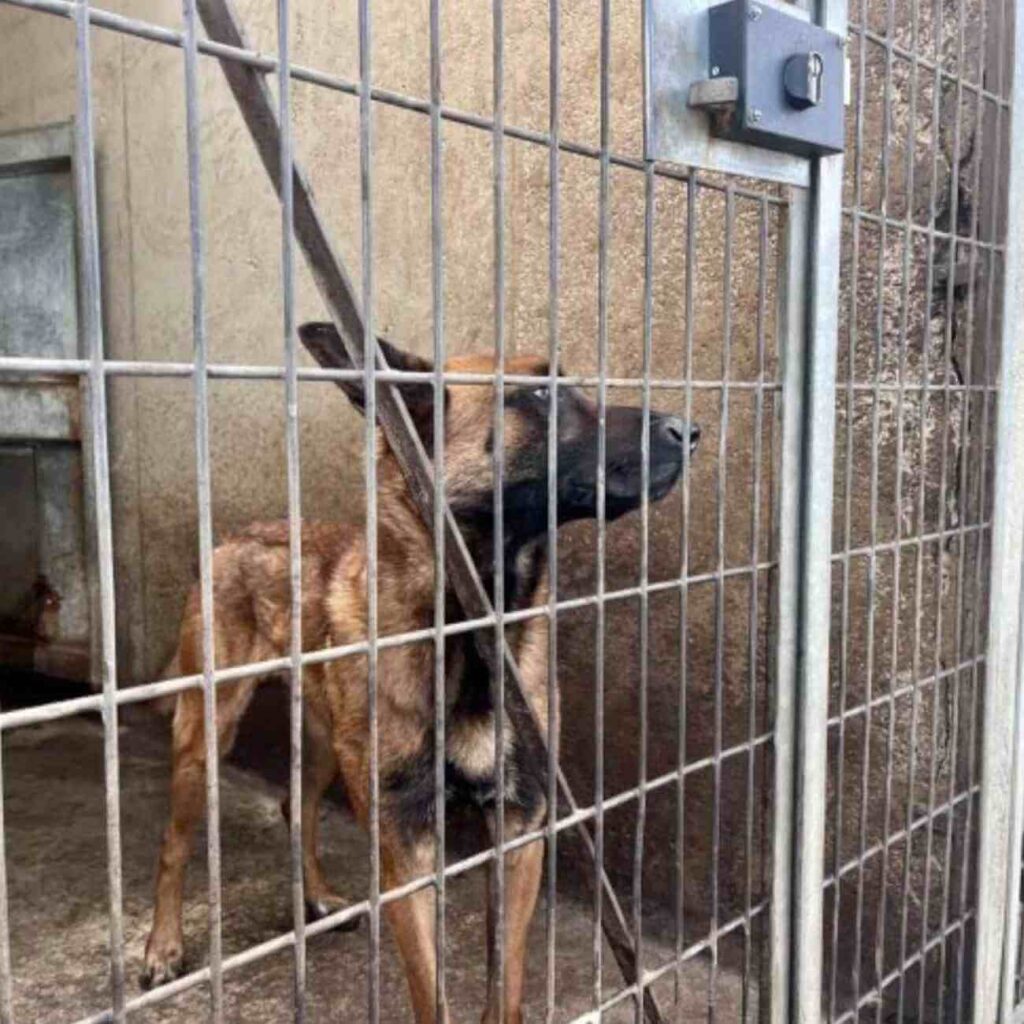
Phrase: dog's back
(252, 593)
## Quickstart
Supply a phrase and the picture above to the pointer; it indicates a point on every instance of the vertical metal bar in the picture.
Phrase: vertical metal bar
(876, 411)
(498, 146)
(999, 846)
(815, 565)
(1011, 954)
(554, 242)
(370, 459)
(6, 1003)
(754, 610)
(291, 389)
(898, 548)
(602, 424)
(997, 672)
(719, 683)
(203, 485)
(793, 326)
(962, 984)
(961, 869)
(90, 295)
(953, 681)
(644, 598)
(440, 582)
(922, 530)
(684, 572)
(1015, 91)
(844, 635)
(873, 518)
(1013, 307)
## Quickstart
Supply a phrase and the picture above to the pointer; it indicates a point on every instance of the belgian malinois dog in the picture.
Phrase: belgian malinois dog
(252, 623)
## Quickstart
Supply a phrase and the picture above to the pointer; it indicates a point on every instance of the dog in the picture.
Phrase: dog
(252, 622)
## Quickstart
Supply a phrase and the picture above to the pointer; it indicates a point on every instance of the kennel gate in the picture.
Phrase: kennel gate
(833, 407)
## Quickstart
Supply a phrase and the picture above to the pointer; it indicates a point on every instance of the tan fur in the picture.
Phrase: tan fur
(253, 623)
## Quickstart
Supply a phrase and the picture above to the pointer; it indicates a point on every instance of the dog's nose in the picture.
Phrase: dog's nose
(672, 429)
(675, 430)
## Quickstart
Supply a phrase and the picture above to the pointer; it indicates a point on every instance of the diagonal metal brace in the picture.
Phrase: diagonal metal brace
(258, 110)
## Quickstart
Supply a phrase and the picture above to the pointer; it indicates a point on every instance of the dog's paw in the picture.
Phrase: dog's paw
(327, 904)
(162, 964)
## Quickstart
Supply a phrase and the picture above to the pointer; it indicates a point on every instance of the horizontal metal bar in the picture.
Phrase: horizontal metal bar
(655, 974)
(935, 537)
(899, 224)
(916, 58)
(905, 690)
(855, 863)
(149, 691)
(873, 996)
(892, 386)
(242, 371)
(268, 64)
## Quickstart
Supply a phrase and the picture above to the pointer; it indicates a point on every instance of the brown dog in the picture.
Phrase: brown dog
(252, 623)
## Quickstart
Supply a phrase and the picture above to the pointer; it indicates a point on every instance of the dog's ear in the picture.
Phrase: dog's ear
(325, 345)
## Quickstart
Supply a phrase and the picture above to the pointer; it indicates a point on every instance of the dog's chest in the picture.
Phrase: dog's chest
(470, 738)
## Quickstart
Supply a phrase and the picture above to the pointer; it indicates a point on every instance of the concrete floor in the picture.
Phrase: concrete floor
(56, 852)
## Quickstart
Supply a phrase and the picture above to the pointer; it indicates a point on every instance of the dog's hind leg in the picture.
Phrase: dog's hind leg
(164, 948)
(319, 770)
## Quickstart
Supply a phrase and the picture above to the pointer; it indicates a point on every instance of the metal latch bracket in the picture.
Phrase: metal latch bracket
(756, 103)
(786, 75)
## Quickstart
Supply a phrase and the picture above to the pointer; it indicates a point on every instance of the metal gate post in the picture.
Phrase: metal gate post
(1001, 765)
(792, 321)
(1012, 919)
(812, 328)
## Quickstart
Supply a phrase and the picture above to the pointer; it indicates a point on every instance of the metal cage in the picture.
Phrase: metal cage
(845, 713)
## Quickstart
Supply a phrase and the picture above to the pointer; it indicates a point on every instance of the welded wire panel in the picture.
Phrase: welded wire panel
(506, 215)
(915, 418)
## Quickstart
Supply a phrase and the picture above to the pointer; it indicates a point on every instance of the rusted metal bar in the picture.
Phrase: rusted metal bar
(257, 107)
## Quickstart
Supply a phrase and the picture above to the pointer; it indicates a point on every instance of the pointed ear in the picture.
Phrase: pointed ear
(324, 344)
(418, 395)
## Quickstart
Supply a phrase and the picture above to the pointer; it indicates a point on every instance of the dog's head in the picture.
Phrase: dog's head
(469, 438)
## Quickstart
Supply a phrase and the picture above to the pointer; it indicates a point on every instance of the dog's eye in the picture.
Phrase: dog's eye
(542, 393)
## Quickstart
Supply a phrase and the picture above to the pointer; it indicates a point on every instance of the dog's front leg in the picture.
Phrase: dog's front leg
(412, 920)
(164, 947)
(523, 870)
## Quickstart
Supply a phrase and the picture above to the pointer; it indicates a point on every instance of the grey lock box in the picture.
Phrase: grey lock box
(788, 88)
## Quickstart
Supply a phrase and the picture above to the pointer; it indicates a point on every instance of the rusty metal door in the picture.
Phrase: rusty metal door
(45, 607)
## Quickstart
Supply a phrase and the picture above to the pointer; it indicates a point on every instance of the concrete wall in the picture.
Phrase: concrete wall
(139, 99)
